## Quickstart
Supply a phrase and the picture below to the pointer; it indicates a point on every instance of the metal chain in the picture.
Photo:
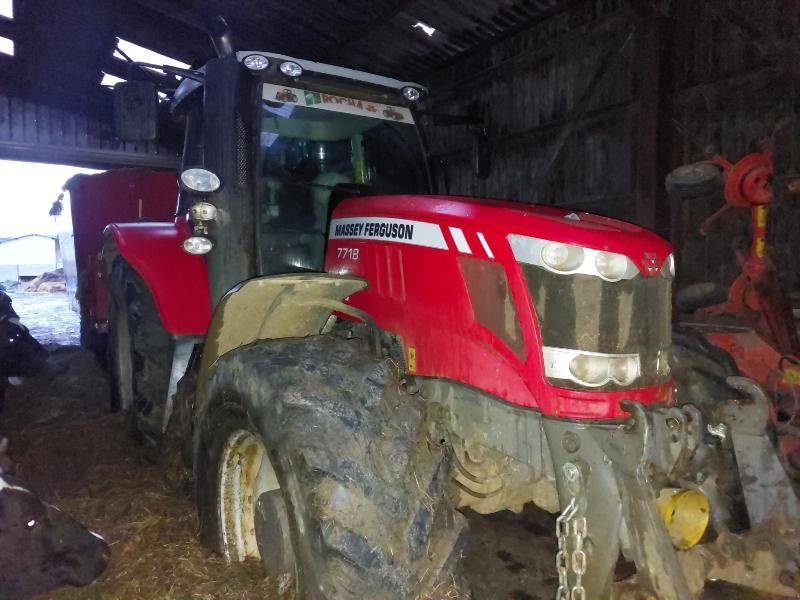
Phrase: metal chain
(562, 556)
(576, 560)
(579, 528)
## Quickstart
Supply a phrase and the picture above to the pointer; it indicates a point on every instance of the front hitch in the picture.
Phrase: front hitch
(649, 508)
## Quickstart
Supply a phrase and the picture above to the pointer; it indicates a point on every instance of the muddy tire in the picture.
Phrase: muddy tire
(140, 353)
(693, 180)
(90, 339)
(700, 370)
(118, 349)
(699, 295)
(356, 507)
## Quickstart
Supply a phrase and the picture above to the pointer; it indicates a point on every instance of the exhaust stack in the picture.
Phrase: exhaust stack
(220, 36)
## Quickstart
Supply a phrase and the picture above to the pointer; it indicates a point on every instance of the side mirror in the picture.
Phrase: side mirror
(136, 111)
(481, 154)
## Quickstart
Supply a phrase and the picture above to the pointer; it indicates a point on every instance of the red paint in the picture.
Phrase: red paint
(177, 280)
(115, 196)
(420, 294)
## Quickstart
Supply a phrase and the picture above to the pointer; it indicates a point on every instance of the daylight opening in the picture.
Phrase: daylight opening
(37, 253)
(6, 46)
(7, 9)
(110, 80)
(426, 28)
(140, 54)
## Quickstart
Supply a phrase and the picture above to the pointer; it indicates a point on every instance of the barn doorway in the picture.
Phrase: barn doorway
(37, 256)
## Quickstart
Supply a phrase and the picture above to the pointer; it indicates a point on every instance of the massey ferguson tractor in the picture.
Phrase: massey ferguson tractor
(349, 360)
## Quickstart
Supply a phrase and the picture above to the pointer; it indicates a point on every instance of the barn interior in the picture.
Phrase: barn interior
(678, 117)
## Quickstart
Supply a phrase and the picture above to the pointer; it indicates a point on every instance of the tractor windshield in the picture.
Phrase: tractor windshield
(317, 150)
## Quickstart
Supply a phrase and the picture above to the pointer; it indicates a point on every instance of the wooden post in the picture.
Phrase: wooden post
(647, 184)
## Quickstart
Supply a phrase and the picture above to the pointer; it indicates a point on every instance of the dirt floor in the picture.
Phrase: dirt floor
(81, 458)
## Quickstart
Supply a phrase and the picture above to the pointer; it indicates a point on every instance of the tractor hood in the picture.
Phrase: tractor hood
(470, 222)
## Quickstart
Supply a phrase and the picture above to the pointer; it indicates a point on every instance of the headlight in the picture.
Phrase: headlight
(562, 257)
(255, 62)
(571, 259)
(611, 266)
(197, 245)
(411, 93)
(200, 180)
(291, 68)
(591, 369)
(624, 369)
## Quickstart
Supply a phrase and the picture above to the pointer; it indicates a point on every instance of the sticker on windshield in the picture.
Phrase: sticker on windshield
(352, 106)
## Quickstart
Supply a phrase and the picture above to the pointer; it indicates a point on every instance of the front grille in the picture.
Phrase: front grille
(586, 313)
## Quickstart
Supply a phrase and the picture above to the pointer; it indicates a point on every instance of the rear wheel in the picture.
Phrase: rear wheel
(325, 472)
(140, 354)
(118, 349)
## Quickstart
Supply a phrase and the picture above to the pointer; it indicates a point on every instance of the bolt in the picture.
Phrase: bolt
(648, 470)
(571, 442)
(719, 430)
(673, 423)
(571, 472)
(728, 549)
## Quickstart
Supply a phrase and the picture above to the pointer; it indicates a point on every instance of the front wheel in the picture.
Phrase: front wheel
(313, 460)
(251, 514)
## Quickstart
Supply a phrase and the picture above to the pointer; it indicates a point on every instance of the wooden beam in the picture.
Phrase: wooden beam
(7, 27)
(372, 25)
(84, 157)
(186, 17)
(647, 60)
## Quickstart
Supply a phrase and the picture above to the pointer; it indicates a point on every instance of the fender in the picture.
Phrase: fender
(277, 306)
(177, 280)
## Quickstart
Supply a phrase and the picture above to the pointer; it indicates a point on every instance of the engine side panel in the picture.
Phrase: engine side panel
(177, 280)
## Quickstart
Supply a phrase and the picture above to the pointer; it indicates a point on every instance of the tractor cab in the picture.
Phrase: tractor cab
(315, 150)
(279, 142)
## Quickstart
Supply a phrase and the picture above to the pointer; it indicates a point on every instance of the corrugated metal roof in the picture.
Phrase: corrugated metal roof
(27, 235)
(379, 35)
(64, 44)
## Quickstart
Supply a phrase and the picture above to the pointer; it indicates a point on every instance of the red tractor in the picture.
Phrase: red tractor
(348, 359)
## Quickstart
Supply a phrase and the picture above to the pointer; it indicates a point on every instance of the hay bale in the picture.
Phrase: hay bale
(39, 284)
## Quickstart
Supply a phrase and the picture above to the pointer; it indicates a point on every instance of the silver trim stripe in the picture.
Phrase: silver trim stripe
(460, 240)
(403, 231)
(485, 245)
